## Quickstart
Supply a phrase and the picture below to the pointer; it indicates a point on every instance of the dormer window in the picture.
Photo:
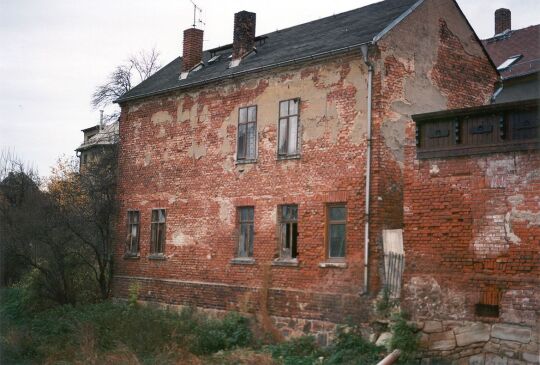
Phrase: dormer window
(509, 62)
(214, 59)
(197, 67)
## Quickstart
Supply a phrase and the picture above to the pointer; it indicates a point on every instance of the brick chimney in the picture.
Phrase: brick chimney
(244, 33)
(503, 20)
(193, 48)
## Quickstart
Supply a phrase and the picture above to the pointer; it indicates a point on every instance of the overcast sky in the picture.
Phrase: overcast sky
(53, 53)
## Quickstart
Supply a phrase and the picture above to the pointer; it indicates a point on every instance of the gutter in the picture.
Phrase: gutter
(248, 71)
(365, 51)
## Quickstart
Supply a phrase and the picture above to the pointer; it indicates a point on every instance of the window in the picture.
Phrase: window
(288, 216)
(489, 303)
(245, 237)
(133, 233)
(247, 134)
(337, 219)
(509, 62)
(157, 240)
(288, 128)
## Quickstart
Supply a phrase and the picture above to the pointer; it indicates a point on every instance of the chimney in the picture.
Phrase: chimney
(244, 33)
(503, 20)
(193, 48)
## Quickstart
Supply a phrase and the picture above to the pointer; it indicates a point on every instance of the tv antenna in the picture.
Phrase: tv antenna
(196, 9)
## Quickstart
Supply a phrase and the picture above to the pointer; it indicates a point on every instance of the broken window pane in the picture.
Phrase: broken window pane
(157, 244)
(133, 233)
(289, 231)
(245, 232)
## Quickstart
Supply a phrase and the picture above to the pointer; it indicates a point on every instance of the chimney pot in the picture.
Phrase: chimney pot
(244, 33)
(503, 20)
(193, 48)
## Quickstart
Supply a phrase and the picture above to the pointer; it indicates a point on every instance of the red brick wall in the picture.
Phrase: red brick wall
(471, 224)
(177, 153)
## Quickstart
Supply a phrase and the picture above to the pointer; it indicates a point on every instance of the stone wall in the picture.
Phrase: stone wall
(478, 343)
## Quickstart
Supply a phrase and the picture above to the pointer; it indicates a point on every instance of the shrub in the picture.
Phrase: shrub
(297, 351)
(213, 335)
(352, 349)
(404, 338)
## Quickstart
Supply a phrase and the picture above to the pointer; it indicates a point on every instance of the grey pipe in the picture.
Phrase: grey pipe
(365, 50)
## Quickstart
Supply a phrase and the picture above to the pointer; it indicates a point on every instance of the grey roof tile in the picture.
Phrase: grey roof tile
(299, 42)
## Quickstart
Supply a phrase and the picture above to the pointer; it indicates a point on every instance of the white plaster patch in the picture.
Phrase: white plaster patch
(434, 170)
(501, 173)
(161, 117)
(147, 158)
(226, 210)
(180, 239)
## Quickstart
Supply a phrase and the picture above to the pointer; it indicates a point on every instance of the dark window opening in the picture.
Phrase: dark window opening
(247, 134)
(133, 233)
(489, 303)
(288, 128)
(246, 232)
(157, 241)
(288, 231)
(337, 220)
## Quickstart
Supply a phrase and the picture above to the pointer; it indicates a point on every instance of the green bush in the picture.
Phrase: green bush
(213, 335)
(351, 348)
(297, 351)
(404, 338)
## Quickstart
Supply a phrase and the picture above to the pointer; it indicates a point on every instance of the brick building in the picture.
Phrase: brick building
(243, 168)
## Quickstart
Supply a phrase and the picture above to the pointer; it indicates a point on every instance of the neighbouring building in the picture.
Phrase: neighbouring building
(516, 53)
(244, 169)
(472, 216)
(98, 140)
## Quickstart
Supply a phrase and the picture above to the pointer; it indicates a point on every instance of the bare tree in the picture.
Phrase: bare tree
(136, 69)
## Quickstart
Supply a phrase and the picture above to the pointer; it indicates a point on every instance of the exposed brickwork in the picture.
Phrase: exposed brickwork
(473, 224)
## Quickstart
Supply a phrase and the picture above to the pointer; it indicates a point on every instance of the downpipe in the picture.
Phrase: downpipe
(364, 48)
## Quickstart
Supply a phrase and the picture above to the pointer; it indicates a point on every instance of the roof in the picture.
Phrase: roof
(333, 34)
(525, 42)
(107, 136)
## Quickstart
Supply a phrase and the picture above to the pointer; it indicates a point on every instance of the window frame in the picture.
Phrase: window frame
(292, 252)
(130, 224)
(287, 155)
(154, 249)
(250, 224)
(243, 157)
(329, 224)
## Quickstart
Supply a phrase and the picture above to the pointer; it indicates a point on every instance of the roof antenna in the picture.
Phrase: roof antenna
(195, 20)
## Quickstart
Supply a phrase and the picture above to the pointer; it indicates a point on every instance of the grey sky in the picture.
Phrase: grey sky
(54, 53)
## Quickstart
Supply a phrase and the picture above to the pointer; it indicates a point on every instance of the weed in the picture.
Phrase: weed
(404, 338)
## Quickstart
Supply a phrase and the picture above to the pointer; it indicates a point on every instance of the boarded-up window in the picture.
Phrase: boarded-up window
(132, 244)
(288, 216)
(157, 240)
(337, 221)
(247, 133)
(245, 231)
(288, 128)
